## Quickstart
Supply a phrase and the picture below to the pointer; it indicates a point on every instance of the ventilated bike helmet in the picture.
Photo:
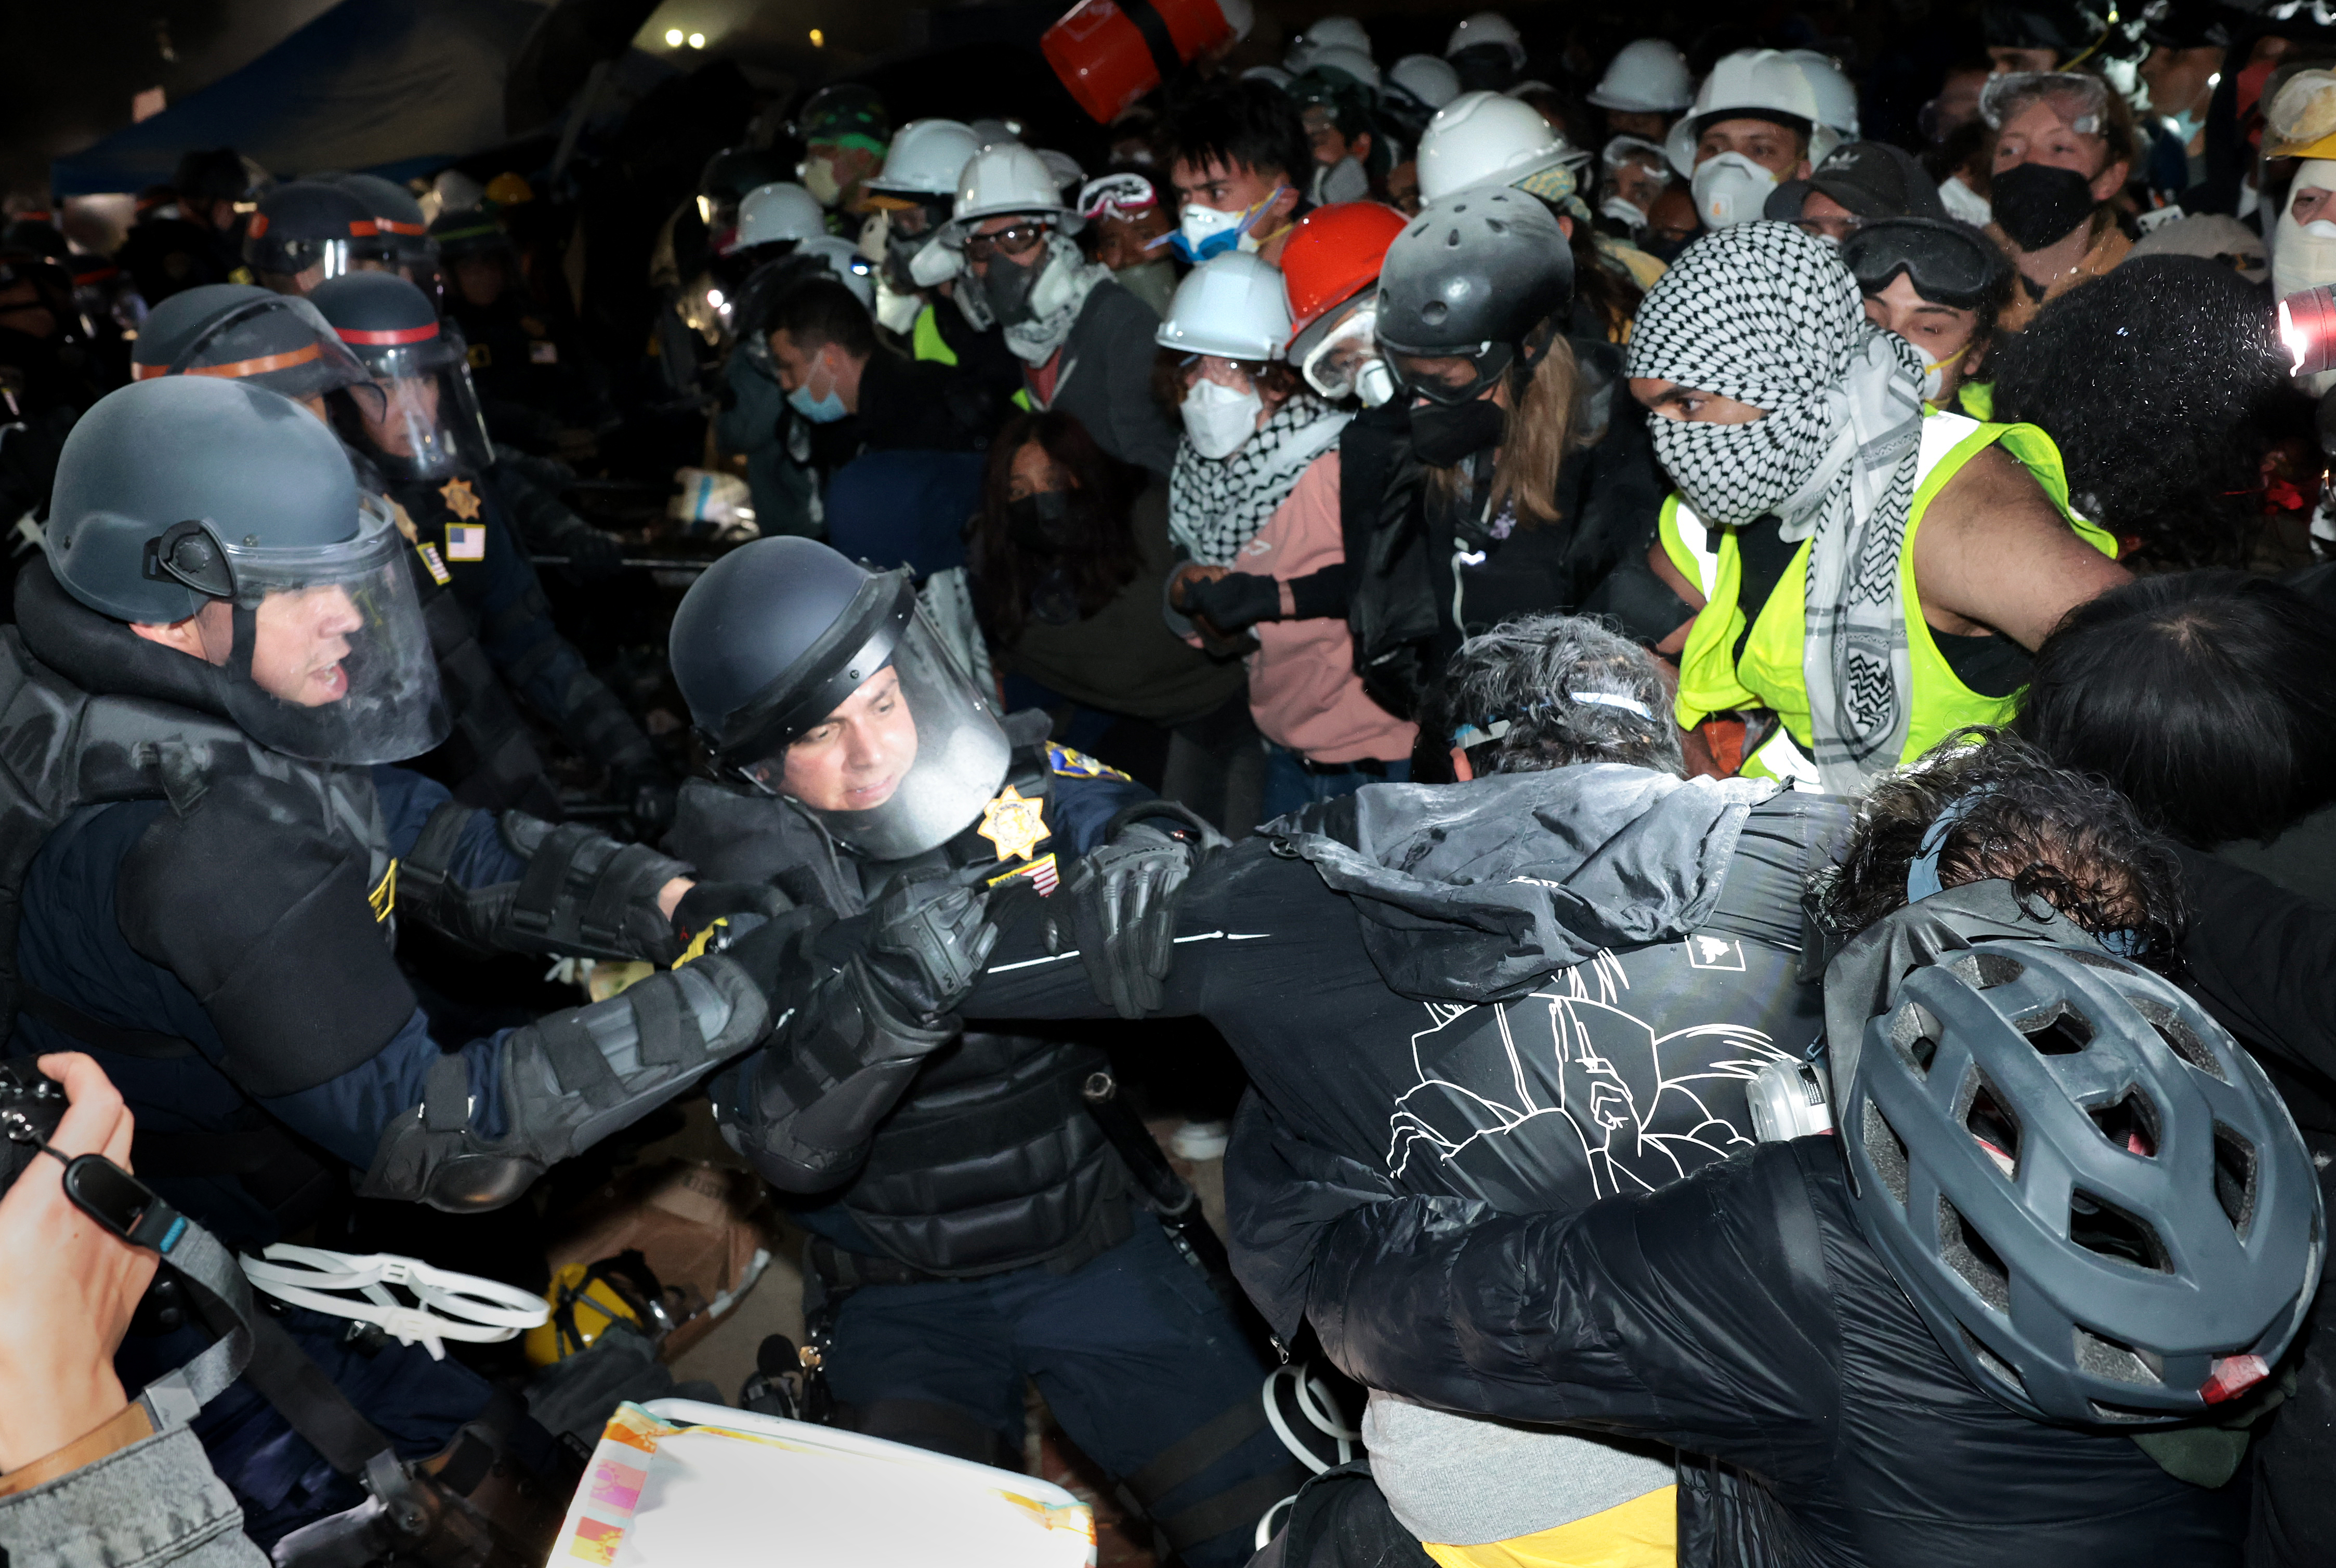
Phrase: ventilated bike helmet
(2091, 1192)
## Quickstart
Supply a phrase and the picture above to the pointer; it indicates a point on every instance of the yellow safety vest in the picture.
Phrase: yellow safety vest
(1714, 679)
(925, 341)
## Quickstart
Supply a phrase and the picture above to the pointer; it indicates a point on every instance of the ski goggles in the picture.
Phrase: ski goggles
(2082, 99)
(1116, 196)
(1949, 263)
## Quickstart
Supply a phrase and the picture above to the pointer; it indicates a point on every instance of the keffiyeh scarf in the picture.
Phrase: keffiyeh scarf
(1216, 505)
(1764, 313)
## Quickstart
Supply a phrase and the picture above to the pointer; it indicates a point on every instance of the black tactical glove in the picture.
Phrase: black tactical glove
(1123, 907)
(930, 937)
(706, 902)
(1235, 601)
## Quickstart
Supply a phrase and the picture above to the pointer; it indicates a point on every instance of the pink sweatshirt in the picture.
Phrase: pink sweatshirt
(1303, 690)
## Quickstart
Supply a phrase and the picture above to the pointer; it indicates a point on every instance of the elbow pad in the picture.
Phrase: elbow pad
(584, 894)
(568, 1080)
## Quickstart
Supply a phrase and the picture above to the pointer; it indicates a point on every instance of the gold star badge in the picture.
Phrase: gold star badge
(460, 499)
(1015, 824)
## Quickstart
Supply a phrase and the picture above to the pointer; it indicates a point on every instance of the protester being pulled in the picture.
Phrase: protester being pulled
(1822, 1309)
(1604, 1041)
(1894, 570)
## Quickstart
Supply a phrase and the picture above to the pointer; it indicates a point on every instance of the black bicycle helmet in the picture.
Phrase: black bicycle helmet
(2091, 1192)
(1472, 278)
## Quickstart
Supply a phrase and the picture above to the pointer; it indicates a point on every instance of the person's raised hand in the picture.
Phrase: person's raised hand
(68, 1286)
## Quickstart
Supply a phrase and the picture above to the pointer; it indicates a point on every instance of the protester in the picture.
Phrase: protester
(1753, 126)
(1859, 653)
(1941, 286)
(1130, 226)
(1859, 183)
(2063, 145)
(1240, 160)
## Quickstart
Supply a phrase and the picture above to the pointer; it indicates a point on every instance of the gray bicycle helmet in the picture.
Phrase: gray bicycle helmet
(2091, 1194)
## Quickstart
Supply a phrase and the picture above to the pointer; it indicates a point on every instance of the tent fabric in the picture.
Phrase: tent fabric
(397, 86)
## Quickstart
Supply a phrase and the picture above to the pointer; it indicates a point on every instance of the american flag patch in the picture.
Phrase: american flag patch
(1039, 872)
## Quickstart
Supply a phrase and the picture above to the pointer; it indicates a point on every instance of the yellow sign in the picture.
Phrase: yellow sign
(1017, 825)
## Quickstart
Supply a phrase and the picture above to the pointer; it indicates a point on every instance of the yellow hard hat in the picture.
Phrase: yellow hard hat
(509, 190)
(584, 1301)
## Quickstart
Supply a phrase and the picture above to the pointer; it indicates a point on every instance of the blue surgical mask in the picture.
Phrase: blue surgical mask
(824, 410)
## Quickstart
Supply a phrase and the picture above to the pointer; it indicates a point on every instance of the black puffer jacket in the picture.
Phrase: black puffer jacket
(1740, 1314)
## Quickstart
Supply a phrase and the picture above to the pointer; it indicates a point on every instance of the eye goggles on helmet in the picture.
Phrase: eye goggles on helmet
(1117, 196)
(1950, 264)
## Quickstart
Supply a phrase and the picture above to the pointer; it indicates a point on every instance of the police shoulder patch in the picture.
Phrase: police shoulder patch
(1069, 763)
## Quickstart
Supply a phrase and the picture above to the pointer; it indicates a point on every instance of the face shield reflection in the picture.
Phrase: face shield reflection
(422, 418)
(329, 660)
(903, 763)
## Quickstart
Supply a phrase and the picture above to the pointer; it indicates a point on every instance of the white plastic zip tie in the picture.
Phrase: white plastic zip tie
(482, 1312)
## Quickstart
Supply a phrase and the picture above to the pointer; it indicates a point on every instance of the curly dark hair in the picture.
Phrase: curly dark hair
(2157, 381)
(2060, 837)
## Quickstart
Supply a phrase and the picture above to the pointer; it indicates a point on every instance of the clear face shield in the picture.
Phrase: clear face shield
(883, 737)
(1344, 359)
(325, 655)
(422, 419)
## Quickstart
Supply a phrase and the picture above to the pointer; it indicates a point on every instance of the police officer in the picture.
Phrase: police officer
(418, 425)
(197, 239)
(282, 342)
(398, 218)
(309, 232)
(203, 871)
(971, 1223)
(50, 358)
(537, 393)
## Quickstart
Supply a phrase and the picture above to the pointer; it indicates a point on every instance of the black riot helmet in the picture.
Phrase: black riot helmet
(309, 232)
(237, 332)
(402, 227)
(1477, 276)
(819, 680)
(202, 497)
(466, 237)
(420, 418)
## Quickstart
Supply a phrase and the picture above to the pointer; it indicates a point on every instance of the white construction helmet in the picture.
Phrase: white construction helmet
(776, 211)
(1755, 84)
(1006, 177)
(1649, 76)
(1487, 28)
(1273, 74)
(1234, 306)
(1426, 78)
(1836, 97)
(1324, 33)
(925, 159)
(1352, 63)
(1481, 141)
(842, 257)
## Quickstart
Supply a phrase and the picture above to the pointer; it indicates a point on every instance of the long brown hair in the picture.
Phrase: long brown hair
(1103, 558)
(1544, 405)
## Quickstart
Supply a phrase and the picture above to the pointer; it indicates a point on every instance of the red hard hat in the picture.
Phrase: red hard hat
(1334, 254)
(1111, 53)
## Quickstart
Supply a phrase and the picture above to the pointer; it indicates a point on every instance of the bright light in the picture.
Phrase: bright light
(673, 37)
(2214, 82)
(818, 39)
(714, 297)
(697, 41)
(706, 209)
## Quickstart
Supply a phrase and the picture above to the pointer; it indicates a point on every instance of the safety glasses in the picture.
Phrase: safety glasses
(1018, 241)
(1949, 263)
(2080, 97)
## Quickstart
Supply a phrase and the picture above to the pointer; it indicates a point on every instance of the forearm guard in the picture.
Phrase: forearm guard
(584, 894)
(804, 1108)
(568, 1080)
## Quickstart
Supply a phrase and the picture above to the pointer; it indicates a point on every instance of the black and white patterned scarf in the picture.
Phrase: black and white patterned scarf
(1216, 505)
(1766, 314)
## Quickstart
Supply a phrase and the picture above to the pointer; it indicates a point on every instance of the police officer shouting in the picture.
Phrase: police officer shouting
(971, 1222)
(203, 862)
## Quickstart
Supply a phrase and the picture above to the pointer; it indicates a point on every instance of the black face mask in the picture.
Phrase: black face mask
(2037, 204)
(1047, 522)
(1442, 434)
(1006, 285)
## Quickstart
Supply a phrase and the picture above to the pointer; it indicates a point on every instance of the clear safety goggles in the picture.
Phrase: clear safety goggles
(1346, 362)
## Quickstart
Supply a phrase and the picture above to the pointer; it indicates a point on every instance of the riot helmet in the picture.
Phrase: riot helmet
(2095, 1200)
(398, 216)
(240, 332)
(193, 498)
(1480, 281)
(309, 232)
(479, 264)
(423, 422)
(820, 681)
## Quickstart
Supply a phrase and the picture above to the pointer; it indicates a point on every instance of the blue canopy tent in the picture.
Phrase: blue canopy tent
(398, 87)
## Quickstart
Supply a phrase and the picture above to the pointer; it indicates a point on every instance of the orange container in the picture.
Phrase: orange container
(1111, 53)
